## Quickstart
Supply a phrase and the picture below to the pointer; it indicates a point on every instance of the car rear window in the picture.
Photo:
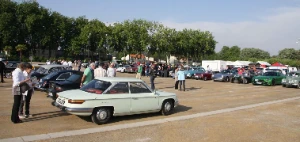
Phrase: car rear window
(96, 86)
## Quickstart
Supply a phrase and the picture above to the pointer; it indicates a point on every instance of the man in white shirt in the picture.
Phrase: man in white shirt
(111, 71)
(70, 63)
(100, 72)
(65, 63)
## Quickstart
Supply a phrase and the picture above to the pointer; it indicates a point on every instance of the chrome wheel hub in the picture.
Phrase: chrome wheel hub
(167, 106)
(101, 115)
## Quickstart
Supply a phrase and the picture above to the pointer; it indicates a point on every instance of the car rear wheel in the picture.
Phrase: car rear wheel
(101, 115)
(167, 107)
(245, 81)
(273, 83)
(227, 79)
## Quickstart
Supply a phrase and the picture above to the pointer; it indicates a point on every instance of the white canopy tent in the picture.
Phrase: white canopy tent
(241, 63)
(264, 63)
(229, 63)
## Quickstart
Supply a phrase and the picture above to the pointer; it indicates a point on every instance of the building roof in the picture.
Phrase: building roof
(119, 79)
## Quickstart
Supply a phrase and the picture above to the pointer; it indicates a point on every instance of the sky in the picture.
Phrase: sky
(270, 25)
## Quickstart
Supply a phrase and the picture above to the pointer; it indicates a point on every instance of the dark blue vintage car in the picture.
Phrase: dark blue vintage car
(55, 76)
(73, 82)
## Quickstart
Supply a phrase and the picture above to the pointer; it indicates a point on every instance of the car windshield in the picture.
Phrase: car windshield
(50, 75)
(73, 78)
(96, 86)
(225, 71)
(41, 70)
(270, 74)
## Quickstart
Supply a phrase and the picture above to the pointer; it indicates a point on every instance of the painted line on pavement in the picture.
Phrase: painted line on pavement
(137, 124)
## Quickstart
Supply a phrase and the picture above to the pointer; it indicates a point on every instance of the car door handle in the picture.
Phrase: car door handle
(135, 98)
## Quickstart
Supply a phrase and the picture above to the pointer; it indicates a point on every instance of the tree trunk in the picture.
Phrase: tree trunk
(20, 56)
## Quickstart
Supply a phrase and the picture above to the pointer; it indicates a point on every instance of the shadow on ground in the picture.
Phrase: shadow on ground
(178, 109)
(45, 115)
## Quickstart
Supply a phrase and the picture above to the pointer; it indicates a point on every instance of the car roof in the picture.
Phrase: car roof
(119, 79)
(63, 71)
(51, 66)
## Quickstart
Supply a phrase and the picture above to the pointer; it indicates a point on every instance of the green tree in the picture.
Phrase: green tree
(20, 48)
(247, 53)
(289, 53)
(7, 49)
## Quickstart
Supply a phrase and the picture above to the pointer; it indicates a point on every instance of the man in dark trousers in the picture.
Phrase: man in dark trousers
(2, 68)
(152, 73)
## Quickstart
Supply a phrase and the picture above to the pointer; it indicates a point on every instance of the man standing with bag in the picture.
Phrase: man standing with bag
(18, 80)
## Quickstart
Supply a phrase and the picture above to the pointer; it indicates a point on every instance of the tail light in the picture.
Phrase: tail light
(76, 101)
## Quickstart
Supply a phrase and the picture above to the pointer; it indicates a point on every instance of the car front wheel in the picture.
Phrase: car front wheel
(101, 115)
(205, 78)
(245, 81)
(298, 86)
(167, 107)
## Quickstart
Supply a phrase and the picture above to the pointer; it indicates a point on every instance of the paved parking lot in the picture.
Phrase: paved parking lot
(208, 111)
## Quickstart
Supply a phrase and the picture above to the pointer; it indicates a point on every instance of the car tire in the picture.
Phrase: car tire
(273, 83)
(227, 79)
(101, 115)
(167, 107)
(245, 81)
(205, 78)
(298, 86)
(283, 85)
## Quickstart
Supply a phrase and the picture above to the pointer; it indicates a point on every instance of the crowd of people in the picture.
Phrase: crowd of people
(92, 72)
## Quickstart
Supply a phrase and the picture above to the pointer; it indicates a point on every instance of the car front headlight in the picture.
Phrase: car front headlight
(189, 74)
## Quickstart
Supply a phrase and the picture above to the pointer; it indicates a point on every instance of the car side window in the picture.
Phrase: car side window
(138, 87)
(64, 76)
(119, 88)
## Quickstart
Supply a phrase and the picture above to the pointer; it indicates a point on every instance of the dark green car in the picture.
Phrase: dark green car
(244, 78)
(268, 78)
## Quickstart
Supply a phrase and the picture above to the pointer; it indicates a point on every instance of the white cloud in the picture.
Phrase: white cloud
(271, 33)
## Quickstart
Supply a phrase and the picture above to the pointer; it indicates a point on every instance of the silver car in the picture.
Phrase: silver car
(224, 75)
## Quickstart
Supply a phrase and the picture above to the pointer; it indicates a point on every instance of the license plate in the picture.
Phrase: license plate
(258, 82)
(61, 101)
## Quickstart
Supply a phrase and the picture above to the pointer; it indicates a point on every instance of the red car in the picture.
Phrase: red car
(204, 76)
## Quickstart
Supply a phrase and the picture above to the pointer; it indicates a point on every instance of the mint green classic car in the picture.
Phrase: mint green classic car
(105, 97)
(292, 80)
(268, 78)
